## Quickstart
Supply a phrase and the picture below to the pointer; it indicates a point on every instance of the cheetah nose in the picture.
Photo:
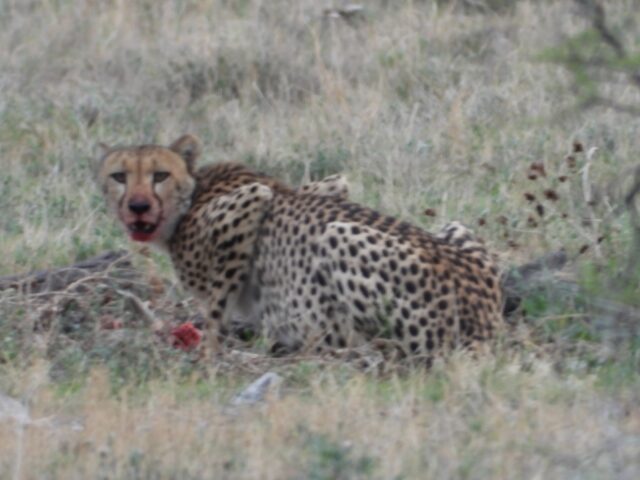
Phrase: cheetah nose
(139, 206)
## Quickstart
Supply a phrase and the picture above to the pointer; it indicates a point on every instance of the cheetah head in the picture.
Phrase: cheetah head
(149, 187)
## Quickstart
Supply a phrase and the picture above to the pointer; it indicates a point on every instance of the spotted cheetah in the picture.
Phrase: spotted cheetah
(317, 270)
(333, 186)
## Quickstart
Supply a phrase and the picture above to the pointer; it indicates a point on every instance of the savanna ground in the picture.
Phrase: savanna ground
(426, 106)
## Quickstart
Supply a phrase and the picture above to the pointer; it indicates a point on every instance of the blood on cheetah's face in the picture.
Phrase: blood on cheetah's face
(149, 187)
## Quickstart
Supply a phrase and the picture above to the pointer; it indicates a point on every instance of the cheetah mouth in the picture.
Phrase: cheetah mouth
(142, 231)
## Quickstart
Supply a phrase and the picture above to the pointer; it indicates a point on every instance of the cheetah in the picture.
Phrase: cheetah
(317, 270)
(331, 186)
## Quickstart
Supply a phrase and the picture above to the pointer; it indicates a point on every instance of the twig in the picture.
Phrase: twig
(144, 311)
(633, 265)
(588, 199)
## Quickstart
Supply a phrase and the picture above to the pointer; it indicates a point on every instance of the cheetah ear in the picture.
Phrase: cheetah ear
(189, 148)
(99, 153)
(102, 150)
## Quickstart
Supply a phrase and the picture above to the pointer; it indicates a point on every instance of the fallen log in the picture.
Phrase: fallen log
(518, 281)
(117, 261)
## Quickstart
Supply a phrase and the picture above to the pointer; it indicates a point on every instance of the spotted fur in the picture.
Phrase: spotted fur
(317, 270)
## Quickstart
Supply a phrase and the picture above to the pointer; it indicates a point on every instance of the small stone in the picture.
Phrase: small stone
(258, 390)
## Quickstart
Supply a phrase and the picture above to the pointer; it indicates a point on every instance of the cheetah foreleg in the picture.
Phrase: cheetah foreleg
(234, 221)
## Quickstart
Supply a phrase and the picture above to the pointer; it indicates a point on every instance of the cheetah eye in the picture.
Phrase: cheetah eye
(119, 177)
(160, 176)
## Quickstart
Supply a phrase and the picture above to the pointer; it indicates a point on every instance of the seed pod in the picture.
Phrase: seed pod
(539, 168)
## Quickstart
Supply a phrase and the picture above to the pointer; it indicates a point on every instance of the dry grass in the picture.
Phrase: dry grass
(468, 421)
(423, 105)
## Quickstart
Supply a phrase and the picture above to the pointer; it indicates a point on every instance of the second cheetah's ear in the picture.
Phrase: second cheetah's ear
(189, 148)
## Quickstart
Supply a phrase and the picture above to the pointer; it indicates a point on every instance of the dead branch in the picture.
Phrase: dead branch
(595, 11)
(517, 281)
(519, 278)
(613, 320)
(633, 265)
(141, 308)
(60, 278)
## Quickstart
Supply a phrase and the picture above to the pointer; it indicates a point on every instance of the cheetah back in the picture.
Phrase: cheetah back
(335, 273)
